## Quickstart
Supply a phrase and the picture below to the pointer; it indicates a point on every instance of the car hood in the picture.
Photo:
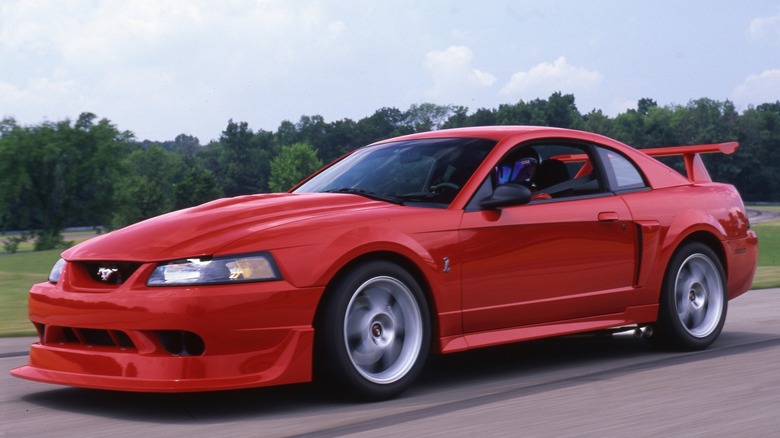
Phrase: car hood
(203, 230)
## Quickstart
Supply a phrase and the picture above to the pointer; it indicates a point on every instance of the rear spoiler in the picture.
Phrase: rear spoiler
(694, 166)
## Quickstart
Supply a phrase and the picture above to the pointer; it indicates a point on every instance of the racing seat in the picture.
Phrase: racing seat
(550, 173)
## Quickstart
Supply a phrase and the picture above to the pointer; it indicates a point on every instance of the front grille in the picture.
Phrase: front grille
(112, 273)
(52, 335)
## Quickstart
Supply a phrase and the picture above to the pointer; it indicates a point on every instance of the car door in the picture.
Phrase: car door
(572, 256)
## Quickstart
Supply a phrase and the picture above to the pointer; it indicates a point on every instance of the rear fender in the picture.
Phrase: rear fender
(680, 231)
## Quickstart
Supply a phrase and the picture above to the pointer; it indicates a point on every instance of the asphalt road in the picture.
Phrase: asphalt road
(564, 387)
(758, 215)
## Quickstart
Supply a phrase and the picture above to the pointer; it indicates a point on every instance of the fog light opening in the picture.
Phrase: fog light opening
(181, 343)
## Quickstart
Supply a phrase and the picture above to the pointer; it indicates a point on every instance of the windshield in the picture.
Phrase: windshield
(429, 171)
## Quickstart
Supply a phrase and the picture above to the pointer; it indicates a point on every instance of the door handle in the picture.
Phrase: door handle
(608, 216)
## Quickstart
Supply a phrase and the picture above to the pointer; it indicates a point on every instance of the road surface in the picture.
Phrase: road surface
(564, 387)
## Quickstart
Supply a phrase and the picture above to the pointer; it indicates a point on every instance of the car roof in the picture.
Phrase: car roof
(493, 132)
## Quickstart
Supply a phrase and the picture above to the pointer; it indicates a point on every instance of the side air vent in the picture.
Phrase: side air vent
(85, 337)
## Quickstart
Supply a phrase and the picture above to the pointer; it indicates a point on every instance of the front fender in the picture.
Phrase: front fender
(311, 253)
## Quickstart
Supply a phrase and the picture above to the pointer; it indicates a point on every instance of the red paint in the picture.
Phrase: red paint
(547, 268)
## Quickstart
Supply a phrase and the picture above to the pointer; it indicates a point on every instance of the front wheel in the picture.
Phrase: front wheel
(693, 303)
(374, 333)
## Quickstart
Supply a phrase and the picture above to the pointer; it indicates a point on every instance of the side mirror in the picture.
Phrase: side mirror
(507, 195)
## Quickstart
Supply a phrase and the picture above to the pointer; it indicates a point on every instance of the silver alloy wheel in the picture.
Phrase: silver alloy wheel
(698, 295)
(383, 330)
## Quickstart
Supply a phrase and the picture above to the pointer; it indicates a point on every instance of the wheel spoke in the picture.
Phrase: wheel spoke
(355, 333)
(698, 295)
(683, 286)
(390, 355)
(367, 360)
(376, 299)
(383, 330)
(697, 316)
(684, 313)
(682, 297)
(697, 273)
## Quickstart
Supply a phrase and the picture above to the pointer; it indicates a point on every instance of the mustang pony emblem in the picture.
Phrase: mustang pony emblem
(106, 273)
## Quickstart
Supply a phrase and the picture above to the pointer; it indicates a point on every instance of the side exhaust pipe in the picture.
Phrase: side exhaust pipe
(643, 332)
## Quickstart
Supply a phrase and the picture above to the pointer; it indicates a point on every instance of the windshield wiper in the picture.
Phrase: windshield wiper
(367, 194)
(419, 196)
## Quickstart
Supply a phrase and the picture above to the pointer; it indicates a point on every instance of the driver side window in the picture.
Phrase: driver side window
(551, 171)
(554, 170)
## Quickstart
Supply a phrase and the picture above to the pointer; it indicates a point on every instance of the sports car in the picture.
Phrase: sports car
(430, 243)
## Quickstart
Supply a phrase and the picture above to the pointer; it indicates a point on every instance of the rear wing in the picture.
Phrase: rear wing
(694, 166)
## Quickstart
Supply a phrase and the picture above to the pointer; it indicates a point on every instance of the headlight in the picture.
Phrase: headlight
(54, 275)
(217, 270)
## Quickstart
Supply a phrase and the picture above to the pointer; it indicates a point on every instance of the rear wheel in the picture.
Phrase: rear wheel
(374, 334)
(693, 304)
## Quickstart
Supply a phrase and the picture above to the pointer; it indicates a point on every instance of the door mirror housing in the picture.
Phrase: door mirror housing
(507, 195)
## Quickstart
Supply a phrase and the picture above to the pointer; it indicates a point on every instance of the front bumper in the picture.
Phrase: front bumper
(172, 339)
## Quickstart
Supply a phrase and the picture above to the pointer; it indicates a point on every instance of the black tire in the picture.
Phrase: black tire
(374, 332)
(693, 303)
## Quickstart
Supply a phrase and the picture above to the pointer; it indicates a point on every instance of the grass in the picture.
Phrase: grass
(19, 271)
(768, 272)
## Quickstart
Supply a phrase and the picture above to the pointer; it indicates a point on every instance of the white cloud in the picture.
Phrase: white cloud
(452, 73)
(546, 78)
(54, 98)
(10, 94)
(758, 89)
(336, 28)
(765, 27)
(162, 67)
(140, 62)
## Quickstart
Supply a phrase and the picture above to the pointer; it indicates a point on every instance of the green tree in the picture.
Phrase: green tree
(427, 116)
(596, 121)
(147, 187)
(240, 160)
(196, 187)
(59, 174)
(458, 117)
(15, 180)
(483, 117)
(384, 123)
(329, 140)
(758, 161)
(293, 163)
(561, 111)
(237, 171)
(645, 104)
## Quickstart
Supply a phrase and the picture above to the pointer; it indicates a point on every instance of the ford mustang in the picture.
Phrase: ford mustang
(430, 243)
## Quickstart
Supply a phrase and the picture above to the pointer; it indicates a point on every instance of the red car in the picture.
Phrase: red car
(428, 243)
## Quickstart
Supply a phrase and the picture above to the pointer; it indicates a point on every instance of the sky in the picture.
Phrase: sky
(161, 68)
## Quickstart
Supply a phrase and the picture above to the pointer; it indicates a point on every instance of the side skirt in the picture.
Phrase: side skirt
(632, 315)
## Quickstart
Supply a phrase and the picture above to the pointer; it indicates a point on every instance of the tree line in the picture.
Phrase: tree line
(87, 172)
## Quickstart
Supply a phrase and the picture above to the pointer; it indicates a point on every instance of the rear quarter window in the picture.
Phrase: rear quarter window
(622, 174)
